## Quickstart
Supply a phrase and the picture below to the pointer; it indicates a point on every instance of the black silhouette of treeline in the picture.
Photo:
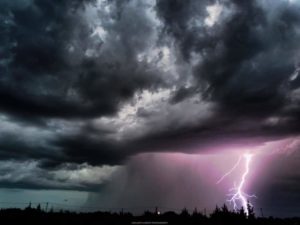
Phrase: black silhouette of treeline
(221, 215)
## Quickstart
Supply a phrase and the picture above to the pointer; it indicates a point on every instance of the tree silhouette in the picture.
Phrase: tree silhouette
(184, 213)
(242, 212)
(28, 207)
(251, 214)
(220, 216)
(225, 209)
(38, 208)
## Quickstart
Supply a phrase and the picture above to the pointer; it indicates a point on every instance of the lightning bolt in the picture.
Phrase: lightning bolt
(230, 171)
(237, 195)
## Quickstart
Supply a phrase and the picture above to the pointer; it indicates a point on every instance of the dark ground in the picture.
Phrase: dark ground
(219, 216)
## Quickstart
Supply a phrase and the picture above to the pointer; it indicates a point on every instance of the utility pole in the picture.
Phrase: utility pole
(262, 213)
(46, 206)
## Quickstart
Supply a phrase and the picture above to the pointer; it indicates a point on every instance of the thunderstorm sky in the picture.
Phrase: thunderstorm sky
(141, 103)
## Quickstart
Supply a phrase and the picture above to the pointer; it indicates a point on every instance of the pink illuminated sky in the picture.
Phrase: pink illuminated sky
(177, 180)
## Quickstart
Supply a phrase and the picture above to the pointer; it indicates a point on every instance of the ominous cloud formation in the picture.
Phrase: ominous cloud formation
(85, 85)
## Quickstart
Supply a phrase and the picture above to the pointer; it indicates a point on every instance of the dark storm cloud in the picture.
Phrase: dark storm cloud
(80, 149)
(245, 62)
(55, 67)
(247, 59)
(58, 69)
(50, 71)
(183, 93)
(28, 175)
(18, 149)
(177, 17)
